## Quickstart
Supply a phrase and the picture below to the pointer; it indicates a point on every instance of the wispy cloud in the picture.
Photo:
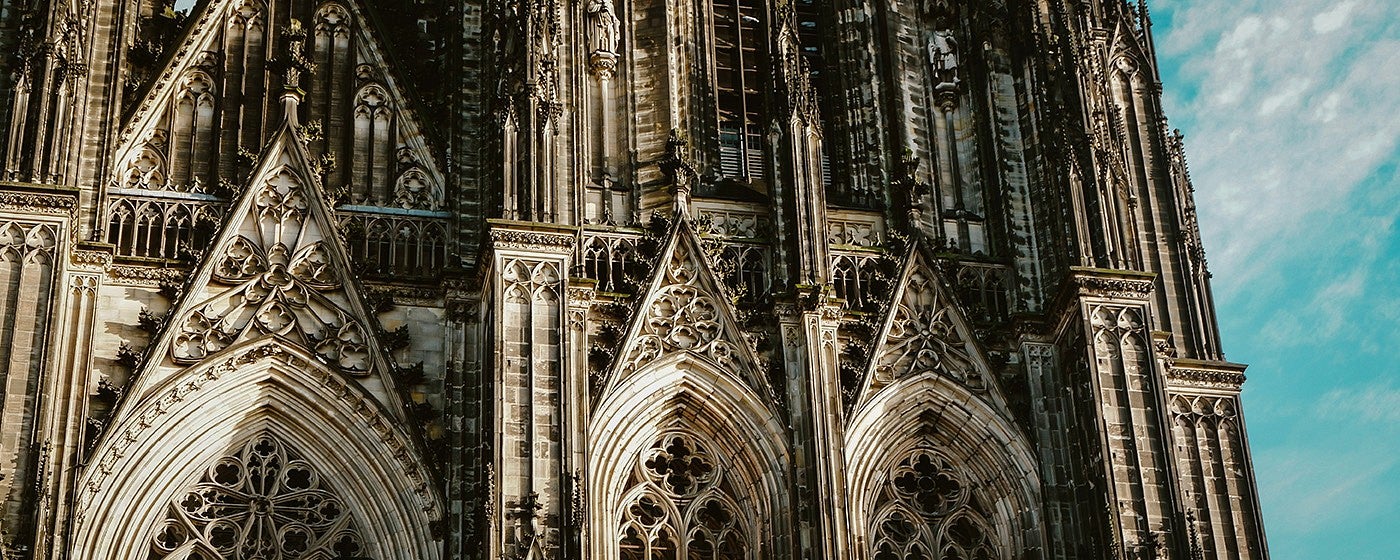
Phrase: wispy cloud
(1375, 403)
(1290, 114)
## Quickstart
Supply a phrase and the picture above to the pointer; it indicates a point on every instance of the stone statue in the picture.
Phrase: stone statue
(602, 26)
(943, 55)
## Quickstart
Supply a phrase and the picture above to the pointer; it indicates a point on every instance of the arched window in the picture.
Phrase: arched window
(148, 230)
(927, 510)
(179, 225)
(844, 278)
(261, 501)
(749, 274)
(121, 226)
(740, 42)
(682, 506)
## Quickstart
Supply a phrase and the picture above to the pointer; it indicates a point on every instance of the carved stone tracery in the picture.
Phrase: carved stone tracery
(684, 316)
(926, 510)
(923, 338)
(262, 501)
(681, 506)
(281, 283)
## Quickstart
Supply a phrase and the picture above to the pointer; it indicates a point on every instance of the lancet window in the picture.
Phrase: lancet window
(747, 271)
(983, 291)
(853, 276)
(682, 506)
(160, 229)
(607, 259)
(740, 41)
(927, 509)
(401, 247)
(262, 501)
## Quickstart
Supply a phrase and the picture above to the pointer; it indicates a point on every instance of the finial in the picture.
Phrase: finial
(294, 65)
(676, 164)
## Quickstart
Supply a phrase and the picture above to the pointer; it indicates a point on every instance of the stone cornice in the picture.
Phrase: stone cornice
(49, 200)
(1116, 284)
(530, 236)
(1201, 374)
(92, 257)
(127, 275)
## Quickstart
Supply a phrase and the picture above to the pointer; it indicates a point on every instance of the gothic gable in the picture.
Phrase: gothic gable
(199, 126)
(277, 269)
(925, 333)
(686, 310)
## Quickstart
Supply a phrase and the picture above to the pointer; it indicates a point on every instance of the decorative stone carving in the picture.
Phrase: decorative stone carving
(854, 233)
(394, 440)
(732, 224)
(1205, 378)
(262, 501)
(414, 190)
(279, 281)
(683, 316)
(923, 338)
(943, 55)
(680, 498)
(926, 511)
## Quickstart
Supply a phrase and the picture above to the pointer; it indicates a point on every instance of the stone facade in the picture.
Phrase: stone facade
(527, 279)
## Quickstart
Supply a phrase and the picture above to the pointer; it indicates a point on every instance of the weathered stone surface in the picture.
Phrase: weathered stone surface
(596, 279)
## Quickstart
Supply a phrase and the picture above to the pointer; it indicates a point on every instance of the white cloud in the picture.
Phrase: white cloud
(1284, 123)
(1333, 19)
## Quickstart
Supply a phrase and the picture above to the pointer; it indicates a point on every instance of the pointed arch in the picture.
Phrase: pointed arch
(682, 395)
(164, 443)
(936, 416)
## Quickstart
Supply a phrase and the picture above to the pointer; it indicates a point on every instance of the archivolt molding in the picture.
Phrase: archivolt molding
(264, 386)
(934, 416)
(739, 433)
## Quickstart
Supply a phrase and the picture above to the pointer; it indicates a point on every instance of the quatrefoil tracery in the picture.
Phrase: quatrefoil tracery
(681, 506)
(927, 511)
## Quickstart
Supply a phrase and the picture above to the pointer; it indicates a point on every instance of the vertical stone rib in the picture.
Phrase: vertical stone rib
(1242, 522)
(25, 356)
(64, 413)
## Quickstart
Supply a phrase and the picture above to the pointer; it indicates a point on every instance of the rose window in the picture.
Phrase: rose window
(262, 502)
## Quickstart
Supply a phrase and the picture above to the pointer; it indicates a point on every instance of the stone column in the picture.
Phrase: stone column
(525, 379)
(809, 350)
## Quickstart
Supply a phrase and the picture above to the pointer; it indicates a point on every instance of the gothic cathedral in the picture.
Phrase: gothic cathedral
(605, 280)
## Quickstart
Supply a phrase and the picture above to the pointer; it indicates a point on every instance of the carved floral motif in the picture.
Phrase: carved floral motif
(281, 283)
(922, 338)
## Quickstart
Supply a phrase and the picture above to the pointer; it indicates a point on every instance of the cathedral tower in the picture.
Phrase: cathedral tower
(607, 280)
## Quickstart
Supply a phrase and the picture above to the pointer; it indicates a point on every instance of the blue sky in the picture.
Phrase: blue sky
(1291, 111)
